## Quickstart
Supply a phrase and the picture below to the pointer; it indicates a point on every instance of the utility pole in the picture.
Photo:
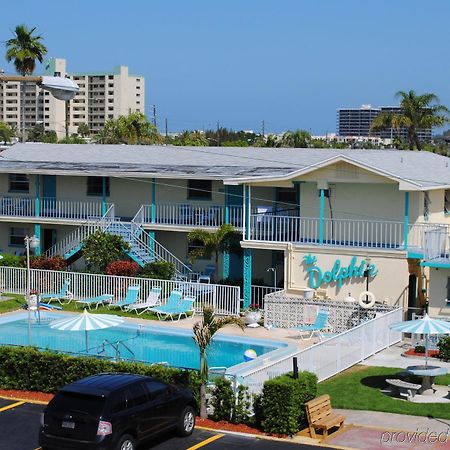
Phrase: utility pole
(167, 129)
(263, 129)
(154, 115)
(218, 134)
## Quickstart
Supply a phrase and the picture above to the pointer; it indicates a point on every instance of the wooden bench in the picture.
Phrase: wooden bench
(321, 416)
(403, 388)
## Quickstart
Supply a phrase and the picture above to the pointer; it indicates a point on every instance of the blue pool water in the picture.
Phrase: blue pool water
(150, 344)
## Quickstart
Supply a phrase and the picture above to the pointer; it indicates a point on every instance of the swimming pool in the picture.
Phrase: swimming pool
(150, 344)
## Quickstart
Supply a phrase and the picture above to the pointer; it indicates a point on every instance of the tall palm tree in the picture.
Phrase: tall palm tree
(204, 332)
(296, 139)
(418, 112)
(225, 239)
(24, 49)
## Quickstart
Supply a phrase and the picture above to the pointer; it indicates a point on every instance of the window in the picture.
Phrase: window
(426, 205)
(95, 186)
(19, 182)
(194, 245)
(199, 189)
(285, 197)
(136, 395)
(447, 201)
(156, 389)
(16, 236)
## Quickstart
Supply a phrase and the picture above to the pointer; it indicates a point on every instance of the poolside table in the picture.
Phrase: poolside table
(428, 374)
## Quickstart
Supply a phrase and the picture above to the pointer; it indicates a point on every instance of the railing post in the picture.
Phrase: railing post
(37, 212)
(321, 215)
(226, 254)
(104, 205)
(247, 277)
(152, 216)
(406, 221)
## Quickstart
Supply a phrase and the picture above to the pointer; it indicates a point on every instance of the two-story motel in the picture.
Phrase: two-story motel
(337, 221)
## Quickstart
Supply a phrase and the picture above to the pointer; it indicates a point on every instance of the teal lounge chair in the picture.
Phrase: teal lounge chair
(99, 300)
(172, 302)
(63, 294)
(186, 306)
(131, 297)
(318, 326)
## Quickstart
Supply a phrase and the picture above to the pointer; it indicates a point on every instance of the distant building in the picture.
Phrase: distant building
(102, 96)
(357, 122)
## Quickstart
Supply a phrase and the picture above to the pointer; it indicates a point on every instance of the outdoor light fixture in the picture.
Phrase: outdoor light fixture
(30, 242)
(274, 270)
(61, 88)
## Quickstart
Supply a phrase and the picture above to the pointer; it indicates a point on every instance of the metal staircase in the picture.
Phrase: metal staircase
(144, 248)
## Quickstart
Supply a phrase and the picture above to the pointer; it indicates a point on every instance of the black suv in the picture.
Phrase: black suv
(115, 412)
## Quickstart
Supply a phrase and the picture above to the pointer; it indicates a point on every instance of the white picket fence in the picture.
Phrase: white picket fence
(326, 358)
(223, 299)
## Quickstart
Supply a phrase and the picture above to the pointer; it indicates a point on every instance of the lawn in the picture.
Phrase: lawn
(359, 388)
(14, 303)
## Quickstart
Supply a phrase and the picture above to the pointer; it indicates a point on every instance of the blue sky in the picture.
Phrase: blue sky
(289, 62)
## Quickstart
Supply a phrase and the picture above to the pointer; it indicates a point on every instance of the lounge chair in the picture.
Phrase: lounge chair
(186, 306)
(99, 300)
(131, 297)
(63, 294)
(172, 302)
(319, 325)
(151, 302)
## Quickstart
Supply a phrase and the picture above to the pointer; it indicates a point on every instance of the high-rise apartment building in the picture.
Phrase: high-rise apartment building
(102, 96)
(357, 122)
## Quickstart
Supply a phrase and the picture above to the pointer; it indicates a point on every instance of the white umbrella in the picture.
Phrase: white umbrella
(87, 322)
(425, 326)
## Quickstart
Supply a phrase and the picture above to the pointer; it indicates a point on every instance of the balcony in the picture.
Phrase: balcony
(191, 215)
(50, 208)
(430, 241)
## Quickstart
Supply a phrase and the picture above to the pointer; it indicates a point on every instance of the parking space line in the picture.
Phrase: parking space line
(206, 441)
(13, 405)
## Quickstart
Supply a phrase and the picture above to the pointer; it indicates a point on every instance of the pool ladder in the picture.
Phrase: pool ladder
(116, 347)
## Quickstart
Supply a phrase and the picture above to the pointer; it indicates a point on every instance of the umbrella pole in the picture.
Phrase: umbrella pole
(426, 350)
(87, 346)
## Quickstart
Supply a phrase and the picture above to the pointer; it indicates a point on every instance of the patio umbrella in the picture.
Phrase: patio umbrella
(425, 326)
(86, 322)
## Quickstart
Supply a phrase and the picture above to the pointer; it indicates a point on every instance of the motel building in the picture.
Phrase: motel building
(315, 222)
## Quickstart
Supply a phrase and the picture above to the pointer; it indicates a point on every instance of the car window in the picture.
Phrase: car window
(118, 402)
(70, 401)
(136, 395)
(157, 390)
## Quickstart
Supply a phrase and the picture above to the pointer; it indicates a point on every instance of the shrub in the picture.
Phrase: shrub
(419, 349)
(122, 268)
(44, 262)
(12, 260)
(101, 248)
(444, 348)
(283, 399)
(26, 368)
(222, 400)
(161, 270)
(241, 411)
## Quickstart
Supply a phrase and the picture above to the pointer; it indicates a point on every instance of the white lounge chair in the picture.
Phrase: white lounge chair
(151, 302)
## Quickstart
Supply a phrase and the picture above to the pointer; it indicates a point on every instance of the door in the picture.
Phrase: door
(49, 238)
(48, 195)
(412, 296)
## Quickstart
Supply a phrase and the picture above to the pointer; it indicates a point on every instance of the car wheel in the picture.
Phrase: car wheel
(126, 442)
(187, 421)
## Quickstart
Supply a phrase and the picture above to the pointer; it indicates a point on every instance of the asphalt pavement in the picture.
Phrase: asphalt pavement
(19, 426)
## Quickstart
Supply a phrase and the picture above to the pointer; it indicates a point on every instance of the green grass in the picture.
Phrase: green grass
(359, 388)
(13, 304)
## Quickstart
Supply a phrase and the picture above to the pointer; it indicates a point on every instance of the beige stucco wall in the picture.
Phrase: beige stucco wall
(389, 285)
(437, 292)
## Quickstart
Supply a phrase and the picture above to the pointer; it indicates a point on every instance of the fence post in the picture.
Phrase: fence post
(321, 215)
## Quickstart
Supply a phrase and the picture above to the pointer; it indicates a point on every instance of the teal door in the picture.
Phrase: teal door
(48, 208)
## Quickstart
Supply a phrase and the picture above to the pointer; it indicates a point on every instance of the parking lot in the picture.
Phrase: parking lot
(19, 425)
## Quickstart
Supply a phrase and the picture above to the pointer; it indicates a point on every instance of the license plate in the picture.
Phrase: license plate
(70, 425)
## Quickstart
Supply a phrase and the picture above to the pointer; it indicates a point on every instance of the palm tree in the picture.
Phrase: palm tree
(417, 112)
(204, 332)
(212, 243)
(6, 133)
(24, 49)
(296, 139)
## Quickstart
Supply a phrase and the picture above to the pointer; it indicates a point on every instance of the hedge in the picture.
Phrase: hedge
(282, 403)
(26, 368)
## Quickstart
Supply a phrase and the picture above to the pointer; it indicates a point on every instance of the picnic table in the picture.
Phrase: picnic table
(428, 374)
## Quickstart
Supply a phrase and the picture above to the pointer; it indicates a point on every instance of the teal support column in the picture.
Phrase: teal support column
(321, 215)
(226, 254)
(37, 211)
(104, 206)
(406, 221)
(247, 277)
(153, 215)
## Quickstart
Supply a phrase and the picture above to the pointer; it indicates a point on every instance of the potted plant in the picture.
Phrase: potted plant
(252, 315)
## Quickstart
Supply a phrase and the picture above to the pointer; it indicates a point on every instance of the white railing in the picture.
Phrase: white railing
(191, 215)
(430, 239)
(73, 240)
(259, 292)
(327, 358)
(50, 208)
(223, 299)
